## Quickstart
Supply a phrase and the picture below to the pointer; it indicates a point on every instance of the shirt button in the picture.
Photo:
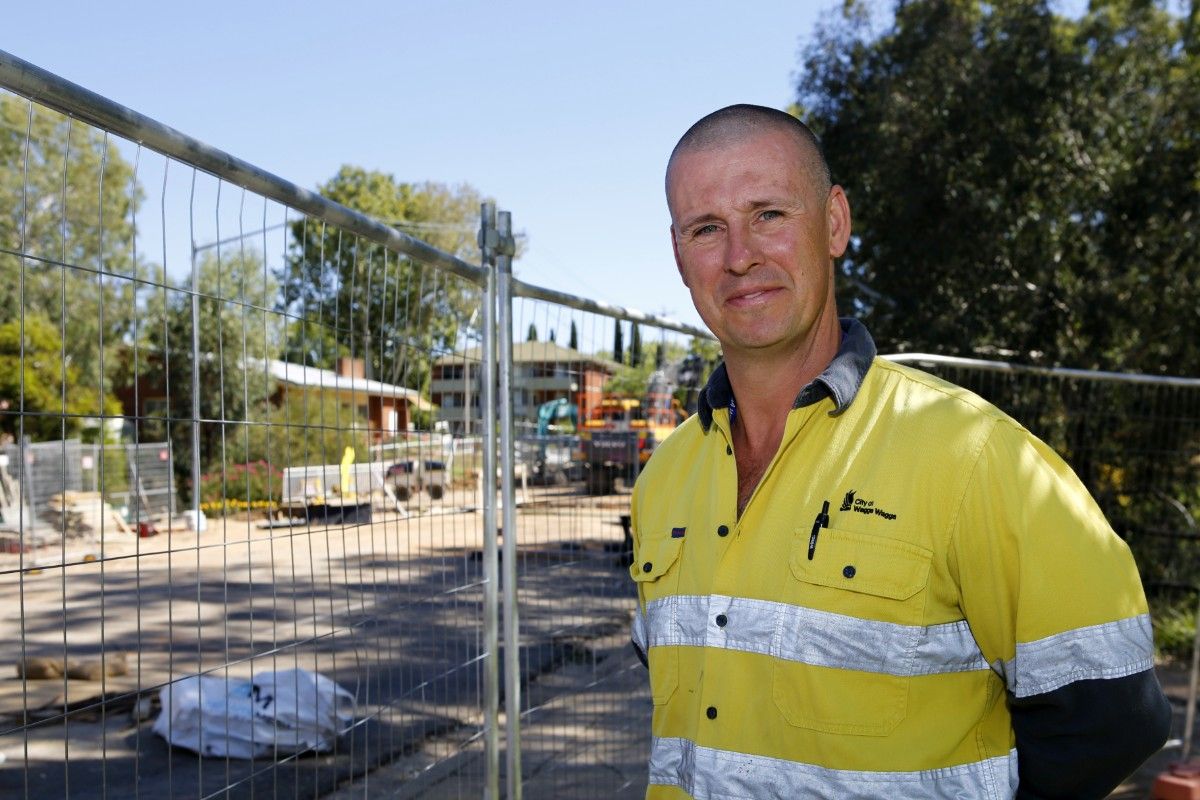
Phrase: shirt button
(647, 567)
(848, 571)
(711, 712)
(728, 450)
(723, 530)
(722, 620)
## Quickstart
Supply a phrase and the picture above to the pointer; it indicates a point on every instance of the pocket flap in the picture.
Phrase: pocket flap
(861, 563)
(654, 558)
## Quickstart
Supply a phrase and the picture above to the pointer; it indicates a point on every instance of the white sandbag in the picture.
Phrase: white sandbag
(273, 713)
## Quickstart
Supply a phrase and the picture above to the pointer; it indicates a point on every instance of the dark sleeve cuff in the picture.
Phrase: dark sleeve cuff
(1082, 740)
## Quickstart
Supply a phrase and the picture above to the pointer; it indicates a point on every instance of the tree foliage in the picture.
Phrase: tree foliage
(67, 200)
(37, 381)
(357, 299)
(1027, 186)
(237, 336)
(1022, 184)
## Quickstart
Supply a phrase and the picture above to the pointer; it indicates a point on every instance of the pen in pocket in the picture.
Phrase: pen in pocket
(822, 521)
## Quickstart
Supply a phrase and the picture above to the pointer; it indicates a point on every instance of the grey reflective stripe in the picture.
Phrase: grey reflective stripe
(820, 638)
(710, 774)
(1109, 650)
(638, 634)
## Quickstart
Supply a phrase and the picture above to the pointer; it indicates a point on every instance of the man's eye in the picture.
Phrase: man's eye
(770, 214)
(704, 230)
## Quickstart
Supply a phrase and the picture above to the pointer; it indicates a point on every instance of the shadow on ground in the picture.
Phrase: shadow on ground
(403, 634)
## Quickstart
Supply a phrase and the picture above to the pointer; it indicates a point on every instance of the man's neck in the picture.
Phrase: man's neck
(766, 384)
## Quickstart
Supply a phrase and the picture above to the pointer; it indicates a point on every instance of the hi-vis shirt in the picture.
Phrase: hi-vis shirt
(911, 557)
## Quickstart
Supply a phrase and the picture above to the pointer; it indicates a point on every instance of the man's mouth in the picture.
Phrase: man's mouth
(749, 298)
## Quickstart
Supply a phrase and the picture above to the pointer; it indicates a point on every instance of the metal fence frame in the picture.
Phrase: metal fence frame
(493, 276)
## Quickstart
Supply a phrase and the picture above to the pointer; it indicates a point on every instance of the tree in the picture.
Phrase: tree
(531, 335)
(67, 201)
(1038, 201)
(629, 380)
(1033, 202)
(236, 339)
(618, 343)
(672, 358)
(371, 303)
(42, 386)
(635, 346)
(573, 342)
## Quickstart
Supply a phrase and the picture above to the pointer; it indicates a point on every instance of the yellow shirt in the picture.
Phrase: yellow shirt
(958, 558)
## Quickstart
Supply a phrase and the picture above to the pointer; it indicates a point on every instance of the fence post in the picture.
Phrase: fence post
(488, 240)
(196, 415)
(512, 664)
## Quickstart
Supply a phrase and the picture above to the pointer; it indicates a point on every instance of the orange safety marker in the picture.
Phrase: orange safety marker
(1180, 782)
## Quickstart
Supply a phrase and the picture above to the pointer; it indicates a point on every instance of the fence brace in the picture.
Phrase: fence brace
(488, 241)
(512, 665)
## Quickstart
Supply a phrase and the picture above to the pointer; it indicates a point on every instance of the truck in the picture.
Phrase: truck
(620, 433)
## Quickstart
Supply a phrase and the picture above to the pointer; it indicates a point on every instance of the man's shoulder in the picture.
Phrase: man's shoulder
(924, 394)
(682, 443)
(683, 439)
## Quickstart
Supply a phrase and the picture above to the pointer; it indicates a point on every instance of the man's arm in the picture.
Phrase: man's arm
(1082, 740)
(1054, 601)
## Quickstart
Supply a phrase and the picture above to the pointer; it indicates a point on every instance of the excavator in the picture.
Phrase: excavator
(550, 455)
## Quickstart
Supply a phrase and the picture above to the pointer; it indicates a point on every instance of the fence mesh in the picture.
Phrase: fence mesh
(589, 406)
(272, 370)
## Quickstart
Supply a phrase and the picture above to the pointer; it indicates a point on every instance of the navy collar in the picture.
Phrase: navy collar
(840, 381)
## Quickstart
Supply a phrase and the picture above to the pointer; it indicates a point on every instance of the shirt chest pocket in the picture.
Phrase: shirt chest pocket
(655, 570)
(846, 642)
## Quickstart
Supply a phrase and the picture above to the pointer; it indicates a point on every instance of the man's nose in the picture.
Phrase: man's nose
(743, 252)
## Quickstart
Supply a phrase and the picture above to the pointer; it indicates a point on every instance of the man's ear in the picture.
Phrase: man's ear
(838, 210)
(675, 250)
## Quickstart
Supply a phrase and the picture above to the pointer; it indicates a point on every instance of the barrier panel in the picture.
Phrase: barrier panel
(346, 439)
(180, 331)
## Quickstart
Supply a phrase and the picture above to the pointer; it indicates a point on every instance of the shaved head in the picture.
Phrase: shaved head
(743, 121)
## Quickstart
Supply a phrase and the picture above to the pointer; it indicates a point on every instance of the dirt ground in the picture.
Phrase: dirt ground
(391, 610)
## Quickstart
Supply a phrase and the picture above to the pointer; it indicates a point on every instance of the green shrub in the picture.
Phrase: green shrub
(1174, 630)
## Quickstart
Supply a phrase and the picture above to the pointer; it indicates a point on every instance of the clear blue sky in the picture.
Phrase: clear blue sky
(563, 111)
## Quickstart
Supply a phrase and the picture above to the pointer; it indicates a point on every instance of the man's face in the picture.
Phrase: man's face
(754, 238)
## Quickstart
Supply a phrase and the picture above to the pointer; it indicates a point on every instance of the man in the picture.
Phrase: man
(856, 580)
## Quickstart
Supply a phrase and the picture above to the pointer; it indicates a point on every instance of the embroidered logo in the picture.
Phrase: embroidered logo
(860, 506)
(677, 533)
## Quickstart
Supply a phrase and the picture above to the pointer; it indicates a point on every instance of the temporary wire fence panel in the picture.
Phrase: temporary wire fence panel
(147, 301)
(592, 395)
